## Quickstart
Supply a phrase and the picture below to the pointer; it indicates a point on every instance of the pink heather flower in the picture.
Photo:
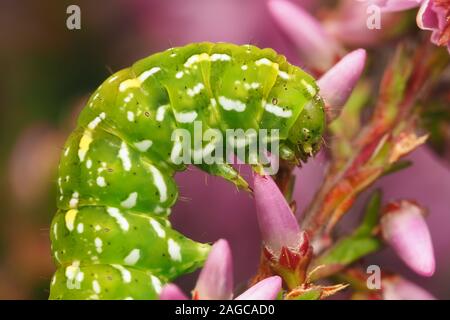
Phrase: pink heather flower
(404, 229)
(278, 225)
(397, 288)
(317, 49)
(172, 292)
(216, 280)
(337, 84)
(434, 15)
(266, 289)
(286, 248)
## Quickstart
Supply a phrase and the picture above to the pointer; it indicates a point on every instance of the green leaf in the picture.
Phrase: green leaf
(371, 215)
(313, 294)
(350, 249)
(361, 242)
(397, 166)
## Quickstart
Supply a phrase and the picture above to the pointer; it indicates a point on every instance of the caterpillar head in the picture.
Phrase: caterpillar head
(306, 133)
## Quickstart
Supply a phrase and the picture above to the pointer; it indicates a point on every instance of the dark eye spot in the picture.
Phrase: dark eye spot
(147, 114)
(274, 101)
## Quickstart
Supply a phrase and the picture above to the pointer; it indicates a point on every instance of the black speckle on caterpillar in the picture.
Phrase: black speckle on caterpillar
(111, 237)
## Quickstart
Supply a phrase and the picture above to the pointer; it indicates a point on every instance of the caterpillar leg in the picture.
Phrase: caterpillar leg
(227, 172)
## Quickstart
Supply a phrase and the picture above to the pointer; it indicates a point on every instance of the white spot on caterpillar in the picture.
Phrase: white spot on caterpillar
(143, 145)
(185, 117)
(276, 110)
(160, 112)
(213, 102)
(74, 201)
(159, 182)
(159, 209)
(94, 297)
(264, 61)
(179, 74)
(283, 75)
(97, 227)
(309, 87)
(156, 284)
(158, 228)
(98, 244)
(101, 182)
(55, 254)
(130, 116)
(220, 57)
(96, 286)
(229, 104)
(132, 257)
(244, 67)
(196, 58)
(126, 275)
(85, 141)
(125, 157)
(66, 152)
(144, 75)
(130, 202)
(73, 273)
(112, 79)
(136, 82)
(131, 298)
(130, 83)
(55, 230)
(80, 228)
(96, 121)
(195, 90)
(80, 276)
(128, 98)
(71, 270)
(253, 85)
(174, 250)
(89, 163)
(115, 213)
(70, 218)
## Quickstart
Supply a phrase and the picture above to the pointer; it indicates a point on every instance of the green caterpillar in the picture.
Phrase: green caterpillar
(111, 237)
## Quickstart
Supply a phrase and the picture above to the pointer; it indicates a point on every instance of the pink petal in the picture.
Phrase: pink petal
(277, 223)
(216, 278)
(338, 83)
(397, 288)
(316, 48)
(404, 228)
(426, 17)
(172, 292)
(266, 289)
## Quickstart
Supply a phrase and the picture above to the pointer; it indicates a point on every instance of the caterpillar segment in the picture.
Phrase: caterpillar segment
(111, 237)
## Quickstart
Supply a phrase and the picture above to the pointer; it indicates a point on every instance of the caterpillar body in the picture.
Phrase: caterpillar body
(111, 237)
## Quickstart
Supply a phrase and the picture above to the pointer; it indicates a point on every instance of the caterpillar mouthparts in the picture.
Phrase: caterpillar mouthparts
(111, 237)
